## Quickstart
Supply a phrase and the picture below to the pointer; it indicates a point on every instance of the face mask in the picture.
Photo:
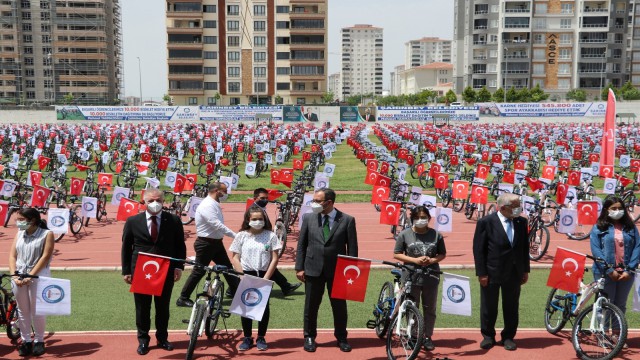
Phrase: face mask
(223, 197)
(23, 225)
(262, 203)
(316, 208)
(420, 223)
(256, 224)
(616, 214)
(154, 207)
(516, 212)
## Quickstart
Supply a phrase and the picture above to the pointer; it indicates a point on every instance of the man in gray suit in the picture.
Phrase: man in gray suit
(325, 234)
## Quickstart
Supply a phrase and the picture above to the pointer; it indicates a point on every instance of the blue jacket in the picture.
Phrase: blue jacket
(602, 246)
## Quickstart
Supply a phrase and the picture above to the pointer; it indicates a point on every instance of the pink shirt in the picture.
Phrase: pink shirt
(619, 244)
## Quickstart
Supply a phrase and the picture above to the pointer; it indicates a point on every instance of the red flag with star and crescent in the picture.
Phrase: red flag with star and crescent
(587, 212)
(127, 208)
(149, 274)
(351, 278)
(567, 270)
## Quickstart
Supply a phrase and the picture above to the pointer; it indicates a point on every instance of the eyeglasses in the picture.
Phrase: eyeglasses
(318, 201)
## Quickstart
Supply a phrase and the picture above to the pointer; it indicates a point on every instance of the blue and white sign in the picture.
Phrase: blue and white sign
(53, 296)
(251, 297)
(587, 109)
(456, 295)
(425, 113)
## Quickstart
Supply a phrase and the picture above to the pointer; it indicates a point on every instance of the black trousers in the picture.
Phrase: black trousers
(143, 312)
(207, 251)
(489, 298)
(280, 280)
(313, 291)
(247, 323)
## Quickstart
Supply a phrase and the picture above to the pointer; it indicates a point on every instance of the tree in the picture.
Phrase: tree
(451, 96)
(68, 99)
(278, 99)
(166, 98)
(512, 95)
(537, 94)
(498, 96)
(629, 92)
(328, 97)
(353, 100)
(577, 95)
(483, 95)
(605, 92)
(522, 95)
(469, 95)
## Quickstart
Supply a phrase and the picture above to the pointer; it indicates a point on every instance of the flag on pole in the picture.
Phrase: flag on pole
(126, 208)
(351, 278)
(567, 270)
(456, 295)
(53, 296)
(149, 274)
(251, 297)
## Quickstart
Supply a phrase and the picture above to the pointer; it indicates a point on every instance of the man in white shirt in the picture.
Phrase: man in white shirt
(210, 229)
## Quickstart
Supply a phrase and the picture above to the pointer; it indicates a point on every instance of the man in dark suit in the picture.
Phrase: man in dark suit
(368, 116)
(310, 115)
(161, 233)
(325, 234)
(501, 254)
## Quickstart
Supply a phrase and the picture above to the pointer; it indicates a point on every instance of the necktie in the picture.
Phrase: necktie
(325, 228)
(510, 231)
(154, 228)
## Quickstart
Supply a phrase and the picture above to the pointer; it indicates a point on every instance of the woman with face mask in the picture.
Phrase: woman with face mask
(615, 239)
(30, 253)
(255, 252)
(418, 245)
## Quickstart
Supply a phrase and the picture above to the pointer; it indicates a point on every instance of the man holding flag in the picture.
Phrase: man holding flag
(152, 232)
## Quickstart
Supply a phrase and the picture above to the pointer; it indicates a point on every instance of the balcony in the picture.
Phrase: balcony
(315, 31)
(307, 15)
(483, 57)
(588, 9)
(593, 41)
(294, 46)
(185, 61)
(309, 77)
(184, 45)
(481, 12)
(186, 14)
(517, 10)
(187, 76)
(306, 92)
(184, 30)
(479, 43)
(515, 26)
(480, 27)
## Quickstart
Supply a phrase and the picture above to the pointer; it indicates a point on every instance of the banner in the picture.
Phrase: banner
(292, 114)
(103, 113)
(589, 109)
(58, 220)
(349, 114)
(456, 295)
(238, 113)
(425, 113)
(636, 293)
(53, 296)
(350, 279)
(251, 297)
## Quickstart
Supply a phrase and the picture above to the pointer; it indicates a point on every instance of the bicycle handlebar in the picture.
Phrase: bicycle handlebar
(19, 275)
(413, 268)
(215, 268)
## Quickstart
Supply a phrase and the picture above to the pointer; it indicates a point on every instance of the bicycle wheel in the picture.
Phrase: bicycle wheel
(548, 215)
(281, 232)
(446, 197)
(480, 211)
(458, 205)
(538, 243)
(468, 212)
(102, 209)
(405, 334)
(215, 309)
(184, 215)
(383, 309)
(10, 212)
(13, 331)
(425, 181)
(75, 221)
(57, 237)
(582, 232)
(556, 311)
(200, 310)
(603, 342)
(492, 208)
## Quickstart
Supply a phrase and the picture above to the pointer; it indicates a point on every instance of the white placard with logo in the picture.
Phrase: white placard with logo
(321, 182)
(58, 220)
(329, 169)
(443, 220)
(89, 207)
(568, 220)
(250, 169)
(118, 194)
(227, 180)
(251, 297)
(456, 295)
(53, 296)
(194, 202)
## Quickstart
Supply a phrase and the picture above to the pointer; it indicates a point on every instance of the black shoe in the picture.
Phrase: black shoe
(487, 343)
(428, 344)
(143, 349)
(344, 346)
(184, 302)
(509, 345)
(25, 349)
(290, 288)
(38, 349)
(309, 344)
(165, 345)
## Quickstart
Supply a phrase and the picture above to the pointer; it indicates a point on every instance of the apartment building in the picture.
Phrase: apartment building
(362, 49)
(557, 44)
(435, 76)
(426, 51)
(232, 52)
(334, 85)
(64, 50)
(394, 89)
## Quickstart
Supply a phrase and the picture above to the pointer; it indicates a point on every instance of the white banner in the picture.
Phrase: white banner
(329, 169)
(238, 113)
(609, 186)
(170, 179)
(101, 113)
(58, 220)
(89, 207)
(425, 113)
(227, 180)
(53, 296)
(194, 202)
(456, 295)
(152, 182)
(568, 220)
(250, 169)
(444, 220)
(8, 188)
(118, 194)
(543, 109)
(251, 297)
(321, 181)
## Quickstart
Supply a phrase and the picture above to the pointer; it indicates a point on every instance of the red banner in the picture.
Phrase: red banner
(350, 279)
(567, 270)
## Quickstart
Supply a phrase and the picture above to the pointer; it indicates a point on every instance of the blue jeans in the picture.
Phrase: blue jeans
(618, 291)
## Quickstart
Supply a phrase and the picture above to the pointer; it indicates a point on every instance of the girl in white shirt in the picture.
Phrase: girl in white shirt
(255, 252)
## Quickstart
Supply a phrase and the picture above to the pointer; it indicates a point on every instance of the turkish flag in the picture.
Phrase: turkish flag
(567, 270)
(460, 189)
(518, 165)
(248, 204)
(561, 193)
(379, 194)
(442, 180)
(350, 279)
(149, 274)
(402, 154)
(577, 154)
(76, 186)
(609, 132)
(180, 182)
(81, 167)
(274, 194)
(434, 168)
(564, 164)
(43, 161)
(163, 163)
(587, 212)
(298, 164)
(548, 172)
(593, 157)
(40, 196)
(420, 169)
(286, 175)
(573, 178)
(485, 156)
(210, 168)
(496, 158)
(146, 157)
(105, 179)
(454, 159)
(634, 165)
(35, 177)
(275, 176)
(508, 177)
(411, 159)
(384, 167)
(306, 156)
(534, 184)
(119, 165)
(389, 212)
(372, 177)
(482, 171)
(624, 181)
(127, 208)
(372, 164)
(141, 168)
(606, 171)
(382, 180)
(192, 180)
(4, 208)
(479, 194)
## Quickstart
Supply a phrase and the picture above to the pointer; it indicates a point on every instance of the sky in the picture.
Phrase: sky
(144, 35)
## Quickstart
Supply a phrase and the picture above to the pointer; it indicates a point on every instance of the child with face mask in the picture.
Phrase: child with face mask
(255, 252)
(419, 246)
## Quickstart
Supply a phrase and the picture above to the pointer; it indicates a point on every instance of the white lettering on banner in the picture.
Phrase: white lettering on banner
(425, 113)
(101, 113)
(589, 109)
(238, 113)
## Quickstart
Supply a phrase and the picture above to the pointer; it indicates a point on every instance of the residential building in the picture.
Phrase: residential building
(50, 50)
(362, 49)
(231, 52)
(559, 45)
(426, 50)
(394, 89)
(334, 85)
(435, 76)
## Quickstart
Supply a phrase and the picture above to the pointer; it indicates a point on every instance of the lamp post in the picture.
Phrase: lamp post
(140, 78)
(506, 68)
(602, 70)
(52, 92)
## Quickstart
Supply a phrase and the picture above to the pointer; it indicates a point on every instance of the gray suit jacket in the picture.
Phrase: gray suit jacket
(316, 257)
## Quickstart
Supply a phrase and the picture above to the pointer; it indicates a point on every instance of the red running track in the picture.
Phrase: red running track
(98, 245)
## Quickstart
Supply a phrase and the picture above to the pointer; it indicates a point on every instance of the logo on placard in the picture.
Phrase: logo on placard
(250, 168)
(88, 206)
(567, 220)
(53, 294)
(251, 297)
(456, 294)
(609, 186)
(322, 184)
(600, 106)
(328, 170)
(57, 221)
(443, 219)
(187, 110)
(171, 178)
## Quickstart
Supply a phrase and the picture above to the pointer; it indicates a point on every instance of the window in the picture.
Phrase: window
(283, 71)
(541, 8)
(193, 101)
(539, 82)
(566, 8)
(538, 38)
(233, 71)
(564, 83)
(282, 24)
(209, 8)
(282, 55)
(46, 39)
(27, 39)
(538, 54)
(495, 8)
(259, 10)
(45, 27)
(210, 55)
(28, 61)
(259, 25)
(210, 39)
(565, 23)
(282, 9)
(28, 49)
(30, 73)
(211, 101)
(565, 54)
(26, 27)
(565, 39)
(260, 72)
(492, 68)
(260, 41)
(45, 16)
(260, 57)
(31, 95)
(493, 54)
(538, 69)
(234, 100)
(233, 9)
(233, 25)
(211, 86)
(540, 23)
(233, 40)
(26, 16)
(233, 56)
(209, 24)
(494, 24)
(301, 101)
(283, 40)
(260, 87)
(564, 69)
(30, 83)
(234, 87)
(210, 70)
(493, 83)
(283, 86)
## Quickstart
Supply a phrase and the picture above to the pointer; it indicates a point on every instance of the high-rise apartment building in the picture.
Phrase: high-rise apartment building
(334, 85)
(63, 50)
(426, 51)
(559, 45)
(394, 89)
(361, 60)
(230, 52)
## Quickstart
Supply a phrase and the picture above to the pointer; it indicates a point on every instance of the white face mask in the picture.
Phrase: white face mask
(223, 197)
(516, 212)
(420, 223)
(616, 214)
(23, 225)
(154, 207)
(256, 224)
(316, 208)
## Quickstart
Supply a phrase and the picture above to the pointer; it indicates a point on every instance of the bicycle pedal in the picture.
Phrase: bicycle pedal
(225, 314)
(371, 324)
(185, 321)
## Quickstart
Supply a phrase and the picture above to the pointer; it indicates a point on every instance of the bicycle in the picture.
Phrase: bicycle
(207, 309)
(8, 305)
(539, 236)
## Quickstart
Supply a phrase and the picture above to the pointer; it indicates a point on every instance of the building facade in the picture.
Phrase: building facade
(436, 76)
(231, 52)
(559, 45)
(394, 89)
(334, 85)
(61, 51)
(426, 50)
(362, 61)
